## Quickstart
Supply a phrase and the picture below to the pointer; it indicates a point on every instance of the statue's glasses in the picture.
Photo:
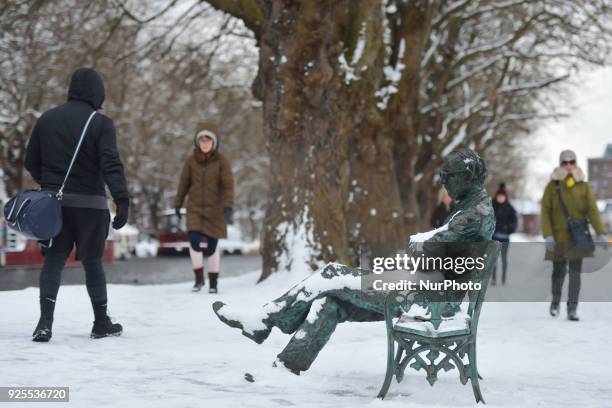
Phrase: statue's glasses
(444, 176)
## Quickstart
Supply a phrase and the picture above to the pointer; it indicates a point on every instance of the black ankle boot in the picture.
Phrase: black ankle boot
(572, 314)
(554, 309)
(212, 278)
(199, 279)
(42, 332)
(105, 328)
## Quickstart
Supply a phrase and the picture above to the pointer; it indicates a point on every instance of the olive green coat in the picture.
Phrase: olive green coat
(209, 184)
(580, 204)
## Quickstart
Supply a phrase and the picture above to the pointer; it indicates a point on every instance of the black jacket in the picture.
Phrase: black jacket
(505, 218)
(56, 135)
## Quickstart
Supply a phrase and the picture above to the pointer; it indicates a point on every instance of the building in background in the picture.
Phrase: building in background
(600, 175)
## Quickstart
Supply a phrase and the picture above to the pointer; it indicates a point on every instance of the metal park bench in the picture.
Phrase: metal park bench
(443, 335)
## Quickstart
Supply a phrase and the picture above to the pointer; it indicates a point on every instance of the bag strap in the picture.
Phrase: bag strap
(60, 193)
(562, 203)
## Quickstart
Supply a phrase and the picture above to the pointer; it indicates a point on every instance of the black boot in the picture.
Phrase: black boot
(212, 278)
(42, 332)
(554, 309)
(572, 314)
(199, 279)
(103, 326)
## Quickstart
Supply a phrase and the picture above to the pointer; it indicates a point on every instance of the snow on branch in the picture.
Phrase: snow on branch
(531, 85)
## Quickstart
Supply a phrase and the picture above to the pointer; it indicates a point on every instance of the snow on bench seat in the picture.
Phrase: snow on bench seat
(416, 321)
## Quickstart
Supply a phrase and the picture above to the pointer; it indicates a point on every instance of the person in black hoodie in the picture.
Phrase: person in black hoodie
(505, 224)
(85, 212)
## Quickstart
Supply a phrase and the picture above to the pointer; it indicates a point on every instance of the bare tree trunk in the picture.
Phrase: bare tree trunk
(374, 206)
(403, 112)
(308, 145)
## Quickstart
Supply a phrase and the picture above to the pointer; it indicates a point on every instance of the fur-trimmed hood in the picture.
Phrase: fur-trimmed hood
(560, 173)
(210, 130)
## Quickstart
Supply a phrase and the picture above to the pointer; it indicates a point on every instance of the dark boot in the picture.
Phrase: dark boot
(212, 278)
(42, 332)
(572, 314)
(554, 309)
(103, 326)
(199, 279)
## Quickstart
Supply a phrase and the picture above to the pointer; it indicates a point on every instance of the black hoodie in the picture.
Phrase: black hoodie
(56, 135)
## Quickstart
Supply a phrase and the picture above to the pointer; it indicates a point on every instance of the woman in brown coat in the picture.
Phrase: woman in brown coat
(207, 180)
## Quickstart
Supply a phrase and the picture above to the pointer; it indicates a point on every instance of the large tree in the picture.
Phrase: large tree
(362, 100)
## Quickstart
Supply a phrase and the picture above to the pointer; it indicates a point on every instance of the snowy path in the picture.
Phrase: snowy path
(175, 353)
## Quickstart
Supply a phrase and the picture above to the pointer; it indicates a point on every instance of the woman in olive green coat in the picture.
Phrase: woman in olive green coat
(207, 180)
(569, 179)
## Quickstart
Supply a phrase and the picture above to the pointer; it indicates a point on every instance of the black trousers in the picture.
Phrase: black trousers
(505, 244)
(560, 269)
(87, 229)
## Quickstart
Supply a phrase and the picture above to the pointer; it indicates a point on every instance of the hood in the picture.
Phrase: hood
(208, 128)
(560, 173)
(86, 85)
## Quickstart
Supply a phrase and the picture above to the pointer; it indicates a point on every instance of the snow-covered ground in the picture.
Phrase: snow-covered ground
(175, 353)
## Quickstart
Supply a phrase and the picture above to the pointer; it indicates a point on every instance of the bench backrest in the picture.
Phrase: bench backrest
(476, 297)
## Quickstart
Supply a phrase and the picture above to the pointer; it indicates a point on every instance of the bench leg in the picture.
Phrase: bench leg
(390, 367)
(474, 373)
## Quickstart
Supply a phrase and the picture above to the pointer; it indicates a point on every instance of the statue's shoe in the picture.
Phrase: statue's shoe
(282, 365)
(252, 327)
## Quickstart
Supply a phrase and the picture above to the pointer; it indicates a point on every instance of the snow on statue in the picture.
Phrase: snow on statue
(312, 309)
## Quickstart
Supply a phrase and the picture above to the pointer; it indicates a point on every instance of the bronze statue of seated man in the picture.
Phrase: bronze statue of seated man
(312, 308)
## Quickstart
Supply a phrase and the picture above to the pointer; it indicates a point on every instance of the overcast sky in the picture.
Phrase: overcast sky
(586, 131)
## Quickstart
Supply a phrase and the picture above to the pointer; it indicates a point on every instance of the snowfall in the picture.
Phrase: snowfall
(174, 352)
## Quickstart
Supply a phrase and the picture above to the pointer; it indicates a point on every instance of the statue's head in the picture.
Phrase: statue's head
(462, 171)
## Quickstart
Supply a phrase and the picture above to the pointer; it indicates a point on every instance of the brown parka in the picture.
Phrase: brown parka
(209, 184)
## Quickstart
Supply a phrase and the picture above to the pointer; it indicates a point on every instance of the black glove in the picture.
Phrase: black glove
(177, 211)
(121, 216)
(228, 213)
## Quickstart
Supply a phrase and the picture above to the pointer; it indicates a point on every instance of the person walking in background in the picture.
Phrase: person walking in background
(567, 188)
(443, 209)
(505, 224)
(85, 213)
(208, 181)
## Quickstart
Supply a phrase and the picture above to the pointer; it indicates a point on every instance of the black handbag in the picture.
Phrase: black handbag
(37, 214)
(578, 229)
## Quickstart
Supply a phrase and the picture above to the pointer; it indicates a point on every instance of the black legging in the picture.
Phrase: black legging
(195, 238)
(51, 277)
